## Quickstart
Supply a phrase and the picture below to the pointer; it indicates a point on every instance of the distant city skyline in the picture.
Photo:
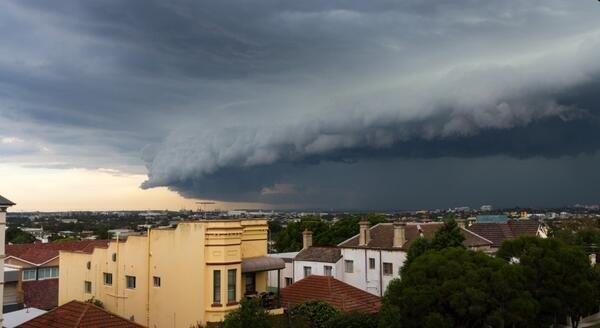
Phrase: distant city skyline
(345, 105)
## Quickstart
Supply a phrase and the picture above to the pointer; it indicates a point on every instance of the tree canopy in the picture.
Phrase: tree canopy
(558, 275)
(449, 235)
(18, 236)
(289, 239)
(249, 314)
(455, 287)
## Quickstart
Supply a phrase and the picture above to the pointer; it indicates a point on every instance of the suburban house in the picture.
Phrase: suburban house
(34, 269)
(498, 232)
(4, 205)
(76, 314)
(286, 276)
(371, 259)
(374, 257)
(175, 277)
(338, 294)
(314, 260)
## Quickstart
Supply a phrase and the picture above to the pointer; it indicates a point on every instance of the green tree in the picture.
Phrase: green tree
(290, 238)
(18, 236)
(449, 235)
(249, 314)
(352, 320)
(418, 248)
(559, 276)
(456, 287)
(316, 313)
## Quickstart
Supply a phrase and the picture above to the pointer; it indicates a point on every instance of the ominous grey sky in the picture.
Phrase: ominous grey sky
(332, 104)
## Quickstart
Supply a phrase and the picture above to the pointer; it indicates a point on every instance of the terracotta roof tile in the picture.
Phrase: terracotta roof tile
(320, 254)
(340, 295)
(38, 253)
(382, 236)
(499, 232)
(77, 314)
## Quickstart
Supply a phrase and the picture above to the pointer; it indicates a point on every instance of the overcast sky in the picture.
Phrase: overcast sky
(300, 104)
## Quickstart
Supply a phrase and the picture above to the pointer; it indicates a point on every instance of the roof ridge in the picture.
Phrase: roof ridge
(87, 306)
(478, 235)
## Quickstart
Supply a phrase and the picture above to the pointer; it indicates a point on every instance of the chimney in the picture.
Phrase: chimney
(399, 233)
(364, 233)
(461, 223)
(306, 239)
(471, 221)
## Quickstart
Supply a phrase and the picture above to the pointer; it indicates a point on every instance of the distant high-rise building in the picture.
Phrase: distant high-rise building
(4, 205)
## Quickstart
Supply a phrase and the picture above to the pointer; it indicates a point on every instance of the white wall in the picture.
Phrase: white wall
(371, 280)
(288, 272)
(317, 268)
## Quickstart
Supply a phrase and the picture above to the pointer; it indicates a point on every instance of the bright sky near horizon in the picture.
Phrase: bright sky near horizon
(42, 189)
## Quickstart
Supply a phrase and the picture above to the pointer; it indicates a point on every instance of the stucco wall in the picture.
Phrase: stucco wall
(184, 258)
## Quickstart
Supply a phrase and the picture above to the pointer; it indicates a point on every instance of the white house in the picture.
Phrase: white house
(375, 256)
(286, 275)
(314, 260)
(371, 259)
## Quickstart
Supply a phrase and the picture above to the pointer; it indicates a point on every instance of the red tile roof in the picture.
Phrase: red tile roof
(77, 314)
(501, 231)
(38, 253)
(382, 236)
(339, 294)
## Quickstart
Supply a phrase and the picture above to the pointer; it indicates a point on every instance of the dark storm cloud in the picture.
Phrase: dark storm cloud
(269, 101)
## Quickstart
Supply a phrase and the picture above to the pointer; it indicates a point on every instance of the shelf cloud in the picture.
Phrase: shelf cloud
(312, 104)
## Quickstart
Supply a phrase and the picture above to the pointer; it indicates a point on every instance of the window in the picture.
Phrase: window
(156, 281)
(231, 285)
(114, 257)
(47, 273)
(107, 278)
(388, 269)
(130, 282)
(87, 287)
(349, 266)
(217, 287)
(88, 265)
(327, 270)
(250, 282)
(29, 274)
(288, 281)
(307, 271)
(371, 263)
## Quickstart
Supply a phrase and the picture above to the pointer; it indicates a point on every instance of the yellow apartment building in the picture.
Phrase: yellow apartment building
(192, 274)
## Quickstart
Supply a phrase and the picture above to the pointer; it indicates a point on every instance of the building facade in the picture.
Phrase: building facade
(4, 205)
(192, 274)
(34, 270)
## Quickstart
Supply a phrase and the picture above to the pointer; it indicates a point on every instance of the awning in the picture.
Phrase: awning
(262, 263)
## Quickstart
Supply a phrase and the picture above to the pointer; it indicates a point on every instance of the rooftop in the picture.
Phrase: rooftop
(499, 232)
(382, 236)
(338, 294)
(5, 202)
(40, 253)
(320, 254)
(79, 314)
